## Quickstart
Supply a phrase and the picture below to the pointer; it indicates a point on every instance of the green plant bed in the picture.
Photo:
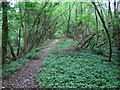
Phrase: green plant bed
(10, 69)
(71, 69)
(34, 52)
(32, 56)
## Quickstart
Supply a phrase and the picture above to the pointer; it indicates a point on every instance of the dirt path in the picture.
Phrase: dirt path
(25, 78)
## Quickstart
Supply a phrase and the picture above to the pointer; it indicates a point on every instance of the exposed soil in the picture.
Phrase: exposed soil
(25, 78)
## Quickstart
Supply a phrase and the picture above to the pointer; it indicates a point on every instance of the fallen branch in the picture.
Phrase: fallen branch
(107, 40)
(87, 40)
(102, 43)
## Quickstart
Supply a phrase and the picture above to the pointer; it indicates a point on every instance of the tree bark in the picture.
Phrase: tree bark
(109, 10)
(4, 32)
(69, 15)
(19, 37)
(12, 51)
(25, 30)
(115, 7)
(119, 27)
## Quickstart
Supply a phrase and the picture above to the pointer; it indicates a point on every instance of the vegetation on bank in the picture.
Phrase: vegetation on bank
(87, 57)
(10, 68)
(68, 68)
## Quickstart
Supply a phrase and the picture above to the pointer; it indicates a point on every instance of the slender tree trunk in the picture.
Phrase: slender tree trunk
(25, 31)
(69, 15)
(81, 7)
(109, 10)
(4, 32)
(96, 20)
(12, 51)
(115, 7)
(106, 30)
(19, 37)
(97, 26)
(116, 27)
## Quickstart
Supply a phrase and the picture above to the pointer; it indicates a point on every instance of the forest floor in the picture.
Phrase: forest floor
(67, 67)
(25, 78)
(61, 65)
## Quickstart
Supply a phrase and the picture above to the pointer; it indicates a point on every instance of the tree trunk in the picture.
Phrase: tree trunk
(19, 37)
(116, 26)
(69, 17)
(106, 30)
(4, 32)
(12, 51)
(25, 31)
(117, 11)
(109, 10)
(97, 27)
(115, 7)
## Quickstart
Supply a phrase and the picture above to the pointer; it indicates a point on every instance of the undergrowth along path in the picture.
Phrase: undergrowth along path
(25, 78)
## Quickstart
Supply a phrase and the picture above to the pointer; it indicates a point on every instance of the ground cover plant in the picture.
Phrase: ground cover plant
(10, 68)
(77, 69)
(78, 43)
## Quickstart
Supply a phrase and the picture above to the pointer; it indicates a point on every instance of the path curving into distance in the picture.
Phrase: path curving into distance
(25, 78)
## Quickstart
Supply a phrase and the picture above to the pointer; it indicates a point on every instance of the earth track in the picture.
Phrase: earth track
(25, 78)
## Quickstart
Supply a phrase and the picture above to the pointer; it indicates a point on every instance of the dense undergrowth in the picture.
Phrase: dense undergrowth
(14, 66)
(77, 69)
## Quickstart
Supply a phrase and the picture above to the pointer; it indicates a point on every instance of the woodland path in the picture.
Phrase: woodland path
(25, 78)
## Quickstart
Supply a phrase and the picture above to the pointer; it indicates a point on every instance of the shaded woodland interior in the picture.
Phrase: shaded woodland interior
(27, 26)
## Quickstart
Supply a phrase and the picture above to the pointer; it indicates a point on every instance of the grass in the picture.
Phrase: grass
(77, 69)
(10, 69)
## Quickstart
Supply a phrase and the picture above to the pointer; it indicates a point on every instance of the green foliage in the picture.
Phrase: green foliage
(10, 69)
(61, 68)
(77, 69)
(32, 56)
(63, 45)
